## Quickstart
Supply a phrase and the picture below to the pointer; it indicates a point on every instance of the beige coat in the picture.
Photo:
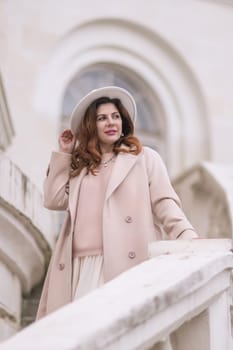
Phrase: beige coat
(139, 199)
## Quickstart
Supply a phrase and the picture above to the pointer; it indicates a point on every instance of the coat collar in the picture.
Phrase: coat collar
(123, 164)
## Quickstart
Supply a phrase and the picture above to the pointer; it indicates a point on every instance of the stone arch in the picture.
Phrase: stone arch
(159, 65)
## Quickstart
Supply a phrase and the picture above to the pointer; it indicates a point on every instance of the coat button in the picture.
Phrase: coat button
(132, 255)
(61, 266)
(128, 219)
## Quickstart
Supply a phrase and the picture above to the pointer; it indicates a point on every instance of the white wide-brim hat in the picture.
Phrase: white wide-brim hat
(108, 91)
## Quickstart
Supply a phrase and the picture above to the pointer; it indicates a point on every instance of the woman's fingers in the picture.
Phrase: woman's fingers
(67, 141)
(67, 136)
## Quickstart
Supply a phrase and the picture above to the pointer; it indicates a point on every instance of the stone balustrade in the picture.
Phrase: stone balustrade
(24, 250)
(178, 300)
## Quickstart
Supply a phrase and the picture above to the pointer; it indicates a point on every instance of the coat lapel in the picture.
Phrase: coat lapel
(123, 164)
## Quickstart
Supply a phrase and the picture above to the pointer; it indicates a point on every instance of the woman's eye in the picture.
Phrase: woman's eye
(116, 116)
(101, 118)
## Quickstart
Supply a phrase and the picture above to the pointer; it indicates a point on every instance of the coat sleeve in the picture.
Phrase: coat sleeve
(166, 205)
(57, 182)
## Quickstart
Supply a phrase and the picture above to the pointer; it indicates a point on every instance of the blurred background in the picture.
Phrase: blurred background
(174, 56)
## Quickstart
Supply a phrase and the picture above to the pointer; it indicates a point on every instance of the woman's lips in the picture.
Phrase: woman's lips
(111, 132)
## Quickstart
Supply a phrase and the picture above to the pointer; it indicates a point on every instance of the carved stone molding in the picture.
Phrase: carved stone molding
(206, 192)
(6, 126)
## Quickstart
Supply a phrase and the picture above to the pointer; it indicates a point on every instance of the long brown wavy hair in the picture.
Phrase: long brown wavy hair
(87, 154)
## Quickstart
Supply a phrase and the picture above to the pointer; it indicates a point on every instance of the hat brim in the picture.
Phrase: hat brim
(109, 91)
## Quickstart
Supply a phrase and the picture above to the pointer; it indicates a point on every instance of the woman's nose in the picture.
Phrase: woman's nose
(110, 120)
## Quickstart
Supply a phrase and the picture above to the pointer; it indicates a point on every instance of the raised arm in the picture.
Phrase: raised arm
(57, 181)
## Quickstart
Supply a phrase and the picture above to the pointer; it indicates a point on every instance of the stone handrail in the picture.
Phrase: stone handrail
(179, 299)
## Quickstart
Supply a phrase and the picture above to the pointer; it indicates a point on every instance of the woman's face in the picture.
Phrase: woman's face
(109, 126)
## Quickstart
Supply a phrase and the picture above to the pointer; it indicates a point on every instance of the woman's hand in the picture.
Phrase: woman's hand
(66, 141)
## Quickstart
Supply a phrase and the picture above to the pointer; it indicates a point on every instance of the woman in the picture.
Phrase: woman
(117, 196)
